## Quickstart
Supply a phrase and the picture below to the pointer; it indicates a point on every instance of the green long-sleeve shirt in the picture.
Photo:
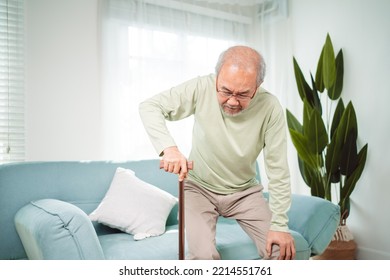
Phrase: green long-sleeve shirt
(225, 148)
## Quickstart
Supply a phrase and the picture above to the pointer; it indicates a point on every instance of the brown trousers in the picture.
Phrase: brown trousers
(203, 207)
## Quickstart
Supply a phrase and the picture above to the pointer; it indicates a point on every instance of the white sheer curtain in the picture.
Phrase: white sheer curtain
(149, 46)
(275, 41)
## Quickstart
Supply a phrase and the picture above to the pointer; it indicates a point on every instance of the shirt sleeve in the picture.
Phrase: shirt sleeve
(173, 104)
(276, 167)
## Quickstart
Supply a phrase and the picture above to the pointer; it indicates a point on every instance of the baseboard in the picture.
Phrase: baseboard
(364, 253)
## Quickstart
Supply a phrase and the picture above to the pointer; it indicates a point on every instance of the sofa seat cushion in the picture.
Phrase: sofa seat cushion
(122, 246)
(232, 243)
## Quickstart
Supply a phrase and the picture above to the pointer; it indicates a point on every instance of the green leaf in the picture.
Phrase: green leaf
(317, 187)
(292, 122)
(332, 159)
(349, 158)
(335, 91)
(337, 116)
(351, 181)
(316, 133)
(347, 125)
(319, 73)
(306, 115)
(309, 95)
(312, 178)
(306, 176)
(302, 85)
(328, 64)
(316, 100)
(301, 144)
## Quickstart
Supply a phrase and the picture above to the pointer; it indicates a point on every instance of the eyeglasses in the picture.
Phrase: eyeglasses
(240, 97)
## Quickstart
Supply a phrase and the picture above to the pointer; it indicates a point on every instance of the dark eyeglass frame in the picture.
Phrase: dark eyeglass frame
(240, 97)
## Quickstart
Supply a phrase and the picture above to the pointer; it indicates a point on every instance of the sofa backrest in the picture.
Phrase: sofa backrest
(83, 184)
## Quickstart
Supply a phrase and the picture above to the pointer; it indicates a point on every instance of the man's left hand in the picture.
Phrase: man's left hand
(285, 242)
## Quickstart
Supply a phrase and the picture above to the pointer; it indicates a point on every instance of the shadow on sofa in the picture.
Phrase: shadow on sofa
(45, 208)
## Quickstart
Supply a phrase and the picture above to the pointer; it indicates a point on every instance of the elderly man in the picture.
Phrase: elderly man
(234, 120)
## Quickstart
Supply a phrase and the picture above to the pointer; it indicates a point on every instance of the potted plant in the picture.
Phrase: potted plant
(326, 140)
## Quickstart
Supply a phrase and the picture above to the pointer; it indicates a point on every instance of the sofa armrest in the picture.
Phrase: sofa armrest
(57, 230)
(315, 218)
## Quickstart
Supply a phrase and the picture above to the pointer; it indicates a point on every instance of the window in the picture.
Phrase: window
(12, 146)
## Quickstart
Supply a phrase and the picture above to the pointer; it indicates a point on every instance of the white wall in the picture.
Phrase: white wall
(360, 28)
(63, 90)
(62, 80)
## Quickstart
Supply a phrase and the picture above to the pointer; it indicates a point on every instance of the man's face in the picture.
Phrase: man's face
(235, 88)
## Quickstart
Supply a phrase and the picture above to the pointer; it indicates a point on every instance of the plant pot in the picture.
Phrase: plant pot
(342, 247)
(338, 250)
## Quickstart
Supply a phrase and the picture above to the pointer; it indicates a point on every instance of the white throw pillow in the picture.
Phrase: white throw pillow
(134, 206)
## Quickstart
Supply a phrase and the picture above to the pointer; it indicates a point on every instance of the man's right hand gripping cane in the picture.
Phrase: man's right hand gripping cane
(174, 161)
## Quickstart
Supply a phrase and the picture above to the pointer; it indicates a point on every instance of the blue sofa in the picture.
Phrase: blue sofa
(44, 210)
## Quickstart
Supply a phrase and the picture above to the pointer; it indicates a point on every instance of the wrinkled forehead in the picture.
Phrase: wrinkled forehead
(236, 77)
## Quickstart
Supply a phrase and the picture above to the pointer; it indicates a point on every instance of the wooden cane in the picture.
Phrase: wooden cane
(181, 212)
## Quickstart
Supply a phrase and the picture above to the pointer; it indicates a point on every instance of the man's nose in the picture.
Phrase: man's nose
(233, 101)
